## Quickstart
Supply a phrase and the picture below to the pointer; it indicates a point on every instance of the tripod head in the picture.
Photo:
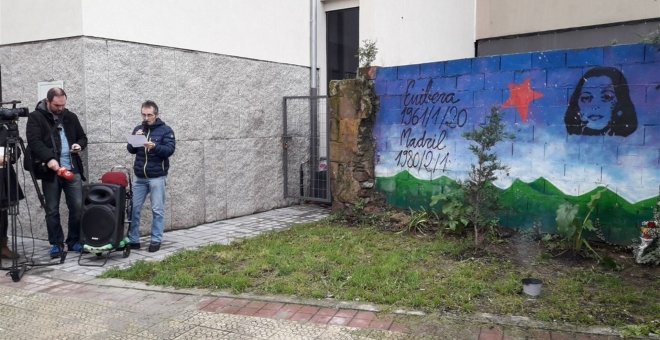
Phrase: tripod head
(12, 128)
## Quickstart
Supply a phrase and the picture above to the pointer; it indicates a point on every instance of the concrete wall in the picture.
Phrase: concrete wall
(497, 18)
(226, 113)
(425, 108)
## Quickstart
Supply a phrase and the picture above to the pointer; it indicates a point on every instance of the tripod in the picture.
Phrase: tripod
(13, 193)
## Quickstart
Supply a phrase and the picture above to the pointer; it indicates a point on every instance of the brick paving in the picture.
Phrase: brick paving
(299, 312)
(67, 301)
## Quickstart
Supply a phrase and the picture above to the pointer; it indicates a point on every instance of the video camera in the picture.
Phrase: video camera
(14, 112)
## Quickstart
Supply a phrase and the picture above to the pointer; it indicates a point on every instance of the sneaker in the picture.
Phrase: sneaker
(134, 245)
(55, 251)
(76, 247)
(154, 247)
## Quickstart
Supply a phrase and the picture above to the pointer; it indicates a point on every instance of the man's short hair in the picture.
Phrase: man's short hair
(150, 103)
(55, 92)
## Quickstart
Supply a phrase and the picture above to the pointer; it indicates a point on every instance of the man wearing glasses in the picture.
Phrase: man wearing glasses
(56, 138)
(150, 168)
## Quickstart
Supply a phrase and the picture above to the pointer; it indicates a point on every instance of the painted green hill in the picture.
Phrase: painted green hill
(528, 205)
(542, 185)
(405, 191)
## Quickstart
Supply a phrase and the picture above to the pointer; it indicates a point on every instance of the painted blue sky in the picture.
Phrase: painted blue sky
(424, 110)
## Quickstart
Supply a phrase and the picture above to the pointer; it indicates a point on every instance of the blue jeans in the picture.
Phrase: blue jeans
(155, 187)
(73, 195)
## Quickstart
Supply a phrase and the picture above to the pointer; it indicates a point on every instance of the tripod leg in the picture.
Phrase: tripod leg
(11, 195)
(16, 273)
(17, 270)
(40, 195)
(62, 253)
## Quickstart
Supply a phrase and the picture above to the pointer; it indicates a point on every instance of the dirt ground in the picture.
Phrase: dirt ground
(549, 264)
(527, 252)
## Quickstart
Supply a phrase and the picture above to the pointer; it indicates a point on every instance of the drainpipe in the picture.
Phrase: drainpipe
(313, 103)
(312, 53)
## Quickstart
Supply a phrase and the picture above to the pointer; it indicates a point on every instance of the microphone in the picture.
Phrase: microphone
(65, 173)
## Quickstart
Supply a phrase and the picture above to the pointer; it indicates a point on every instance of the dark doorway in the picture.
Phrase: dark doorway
(342, 43)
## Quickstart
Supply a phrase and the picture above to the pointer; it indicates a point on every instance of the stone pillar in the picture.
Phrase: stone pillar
(353, 106)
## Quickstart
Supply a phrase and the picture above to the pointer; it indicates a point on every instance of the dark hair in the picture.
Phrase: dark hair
(55, 92)
(150, 103)
(623, 121)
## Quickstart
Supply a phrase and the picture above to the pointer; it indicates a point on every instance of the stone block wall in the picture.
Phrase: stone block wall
(226, 113)
(352, 148)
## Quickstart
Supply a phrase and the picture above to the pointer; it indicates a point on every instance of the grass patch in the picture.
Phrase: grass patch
(325, 260)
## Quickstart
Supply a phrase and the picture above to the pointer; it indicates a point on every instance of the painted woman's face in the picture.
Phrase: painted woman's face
(597, 101)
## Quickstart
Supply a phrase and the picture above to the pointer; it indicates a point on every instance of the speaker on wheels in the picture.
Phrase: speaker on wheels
(103, 210)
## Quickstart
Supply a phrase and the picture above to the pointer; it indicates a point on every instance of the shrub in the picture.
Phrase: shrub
(480, 194)
(571, 228)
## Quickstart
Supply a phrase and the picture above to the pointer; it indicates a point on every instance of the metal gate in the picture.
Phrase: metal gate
(305, 148)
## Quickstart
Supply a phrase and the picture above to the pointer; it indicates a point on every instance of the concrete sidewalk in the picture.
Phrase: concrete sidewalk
(67, 301)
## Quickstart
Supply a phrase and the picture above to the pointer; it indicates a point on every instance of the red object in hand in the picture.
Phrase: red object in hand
(65, 173)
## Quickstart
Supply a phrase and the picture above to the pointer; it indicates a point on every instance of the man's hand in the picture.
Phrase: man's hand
(149, 145)
(53, 165)
(75, 148)
(65, 173)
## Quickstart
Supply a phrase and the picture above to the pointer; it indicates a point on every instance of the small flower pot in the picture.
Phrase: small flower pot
(532, 287)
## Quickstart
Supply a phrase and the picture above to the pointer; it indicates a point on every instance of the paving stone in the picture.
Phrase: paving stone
(114, 335)
(166, 330)
(8, 334)
(199, 332)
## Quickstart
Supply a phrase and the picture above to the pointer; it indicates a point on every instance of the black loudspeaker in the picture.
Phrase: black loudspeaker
(103, 211)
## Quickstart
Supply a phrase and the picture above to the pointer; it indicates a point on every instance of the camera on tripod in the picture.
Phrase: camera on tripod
(10, 190)
(12, 114)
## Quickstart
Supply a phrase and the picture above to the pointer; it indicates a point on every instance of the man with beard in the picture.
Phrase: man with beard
(55, 139)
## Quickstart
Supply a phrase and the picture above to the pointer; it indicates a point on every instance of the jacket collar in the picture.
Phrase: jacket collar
(157, 123)
(43, 108)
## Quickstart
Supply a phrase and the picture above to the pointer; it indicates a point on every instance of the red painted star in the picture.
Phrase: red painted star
(520, 98)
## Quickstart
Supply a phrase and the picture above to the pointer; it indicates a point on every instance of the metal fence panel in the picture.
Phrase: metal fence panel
(306, 148)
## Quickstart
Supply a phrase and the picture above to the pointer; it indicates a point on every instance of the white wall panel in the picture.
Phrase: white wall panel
(30, 20)
(409, 32)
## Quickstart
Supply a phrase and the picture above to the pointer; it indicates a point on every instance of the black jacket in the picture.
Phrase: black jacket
(41, 126)
(8, 193)
(156, 162)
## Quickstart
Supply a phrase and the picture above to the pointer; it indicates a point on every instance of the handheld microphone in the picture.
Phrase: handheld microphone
(65, 173)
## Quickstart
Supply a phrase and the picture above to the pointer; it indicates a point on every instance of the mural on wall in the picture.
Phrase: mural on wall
(601, 105)
(582, 120)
